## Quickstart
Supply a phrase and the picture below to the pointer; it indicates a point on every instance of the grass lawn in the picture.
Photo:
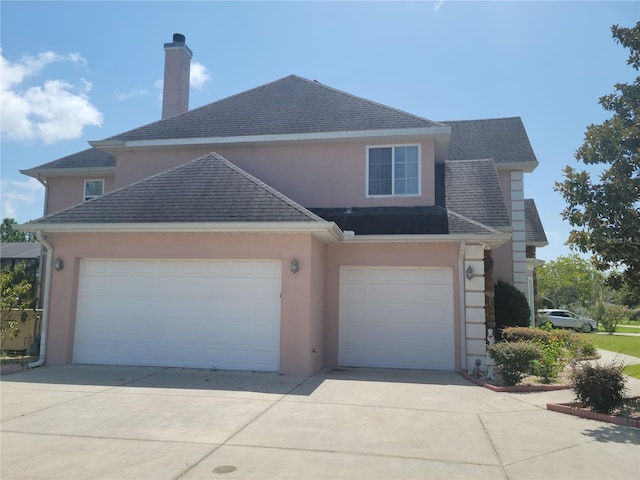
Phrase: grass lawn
(622, 329)
(618, 344)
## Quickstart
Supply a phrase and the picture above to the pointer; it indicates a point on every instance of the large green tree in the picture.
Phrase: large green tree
(9, 235)
(605, 211)
(569, 281)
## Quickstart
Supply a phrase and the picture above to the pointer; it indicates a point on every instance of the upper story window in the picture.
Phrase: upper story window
(393, 171)
(93, 189)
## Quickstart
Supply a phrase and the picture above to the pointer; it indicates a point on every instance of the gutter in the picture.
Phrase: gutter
(45, 305)
(462, 306)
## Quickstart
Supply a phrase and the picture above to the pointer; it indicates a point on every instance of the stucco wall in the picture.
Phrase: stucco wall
(298, 291)
(65, 191)
(314, 175)
(397, 255)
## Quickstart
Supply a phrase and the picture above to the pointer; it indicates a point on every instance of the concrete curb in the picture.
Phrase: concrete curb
(575, 410)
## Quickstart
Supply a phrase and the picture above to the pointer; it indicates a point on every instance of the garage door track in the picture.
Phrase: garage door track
(81, 422)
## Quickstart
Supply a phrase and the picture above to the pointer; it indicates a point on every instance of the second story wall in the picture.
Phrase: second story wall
(314, 175)
(65, 191)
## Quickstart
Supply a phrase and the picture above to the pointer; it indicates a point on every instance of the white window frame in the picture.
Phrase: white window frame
(84, 192)
(393, 171)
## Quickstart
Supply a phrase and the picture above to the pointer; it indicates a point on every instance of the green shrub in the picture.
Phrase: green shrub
(514, 360)
(613, 315)
(553, 358)
(512, 307)
(516, 334)
(600, 387)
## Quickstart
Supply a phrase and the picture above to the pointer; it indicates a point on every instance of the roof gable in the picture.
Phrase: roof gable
(207, 189)
(291, 105)
(533, 229)
(503, 139)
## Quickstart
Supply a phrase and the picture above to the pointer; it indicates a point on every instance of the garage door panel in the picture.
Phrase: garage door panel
(201, 313)
(396, 317)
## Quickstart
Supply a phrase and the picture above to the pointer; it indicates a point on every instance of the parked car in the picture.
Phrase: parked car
(567, 319)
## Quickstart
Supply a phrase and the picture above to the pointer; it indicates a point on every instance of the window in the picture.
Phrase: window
(93, 189)
(393, 171)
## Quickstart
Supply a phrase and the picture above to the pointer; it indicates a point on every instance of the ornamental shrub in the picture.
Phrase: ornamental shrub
(512, 307)
(601, 387)
(514, 360)
(525, 334)
(613, 316)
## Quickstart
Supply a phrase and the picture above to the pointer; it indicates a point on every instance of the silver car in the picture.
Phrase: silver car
(567, 319)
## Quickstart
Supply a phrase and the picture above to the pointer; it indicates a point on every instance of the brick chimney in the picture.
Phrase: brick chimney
(177, 66)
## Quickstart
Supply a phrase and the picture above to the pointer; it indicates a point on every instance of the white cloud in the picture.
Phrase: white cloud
(134, 92)
(438, 4)
(52, 111)
(199, 75)
(17, 197)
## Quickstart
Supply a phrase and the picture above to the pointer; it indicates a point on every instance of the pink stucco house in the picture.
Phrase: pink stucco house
(287, 228)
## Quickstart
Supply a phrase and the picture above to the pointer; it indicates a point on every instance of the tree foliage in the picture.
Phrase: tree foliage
(17, 292)
(569, 281)
(9, 235)
(606, 211)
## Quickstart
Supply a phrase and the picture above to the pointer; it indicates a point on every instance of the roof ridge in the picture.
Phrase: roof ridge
(483, 119)
(473, 222)
(342, 92)
(206, 105)
(272, 191)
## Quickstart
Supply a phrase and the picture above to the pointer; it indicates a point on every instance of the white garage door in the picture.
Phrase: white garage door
(207, 314)
(396, 318)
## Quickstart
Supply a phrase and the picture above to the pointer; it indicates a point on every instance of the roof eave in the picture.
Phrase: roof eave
(493, 240)
(39, 172)
(539, 244)
(435, 131)
(527, 167)
(326, 231)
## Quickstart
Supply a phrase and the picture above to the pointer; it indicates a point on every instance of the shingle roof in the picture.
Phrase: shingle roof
(291, 105)
(503, 139)
(20, 250)
(207, 189)
(434, 220)
(89, 158)
(472, 189)
(533, 229)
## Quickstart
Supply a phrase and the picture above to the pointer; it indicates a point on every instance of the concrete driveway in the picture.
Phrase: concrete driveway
(94, 422)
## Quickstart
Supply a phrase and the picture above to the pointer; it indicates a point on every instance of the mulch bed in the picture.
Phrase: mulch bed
(527, 387)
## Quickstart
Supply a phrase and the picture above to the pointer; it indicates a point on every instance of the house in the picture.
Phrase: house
(287, 228)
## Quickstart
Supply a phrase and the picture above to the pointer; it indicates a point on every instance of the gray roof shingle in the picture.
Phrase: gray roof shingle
(472, 189)
(503, 139)
(20, 250)
(291, 105)
(434, 220)
(89, 158)
(533, 230)
(207, 189)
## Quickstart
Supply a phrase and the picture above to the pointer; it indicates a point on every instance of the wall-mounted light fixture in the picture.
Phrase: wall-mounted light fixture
(469, 273)
(58, 264)
(295, 266)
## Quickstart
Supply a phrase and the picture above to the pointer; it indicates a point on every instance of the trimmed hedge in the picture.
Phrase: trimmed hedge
(512, 307)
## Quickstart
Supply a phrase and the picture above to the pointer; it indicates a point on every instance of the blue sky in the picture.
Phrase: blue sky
(79, 71)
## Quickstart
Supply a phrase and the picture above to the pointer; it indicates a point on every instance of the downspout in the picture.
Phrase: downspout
(45, 304)
(462, 307)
